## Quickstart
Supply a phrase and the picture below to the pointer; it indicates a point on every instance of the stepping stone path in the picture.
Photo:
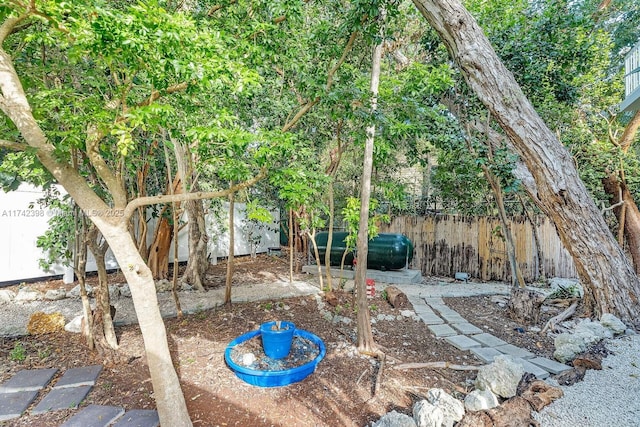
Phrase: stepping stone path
(446, 323)
(21, 390)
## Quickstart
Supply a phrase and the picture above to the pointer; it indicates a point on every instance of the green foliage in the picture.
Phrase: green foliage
(55, 242)
(18, 353)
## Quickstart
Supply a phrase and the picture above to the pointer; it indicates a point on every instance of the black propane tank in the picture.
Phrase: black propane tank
(387, 251)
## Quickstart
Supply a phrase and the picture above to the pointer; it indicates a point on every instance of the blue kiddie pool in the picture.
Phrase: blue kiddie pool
(273, 378)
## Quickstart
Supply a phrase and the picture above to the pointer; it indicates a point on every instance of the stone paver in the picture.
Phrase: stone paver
(531, 368)
(442, 330)
(467, 328)
(434, 301)
(62, 398)
(452, 317)
(462, 342)
(28, 379)
(488, 340)
(12, 405)
(95, 416)
(549, 365)
(75, 377)
(514, 351)
(486, 354)
(139, 418)
(430, 319)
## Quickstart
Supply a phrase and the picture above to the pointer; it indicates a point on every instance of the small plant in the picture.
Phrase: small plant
(44, 353)
(373, 307)
(267, 306)
(18, 353)
(384, 294)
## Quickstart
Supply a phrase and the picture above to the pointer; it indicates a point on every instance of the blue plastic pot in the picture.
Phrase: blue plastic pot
(276, 342)
(275, 378)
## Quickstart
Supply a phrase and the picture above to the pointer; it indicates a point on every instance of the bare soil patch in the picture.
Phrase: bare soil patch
(339, 393)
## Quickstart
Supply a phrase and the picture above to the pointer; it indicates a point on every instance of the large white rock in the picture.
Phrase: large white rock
(427, 415)
(55, 294)
(27, 294)
(568, 345)
(75, 325)
(125, 291)
(479, 400)
(75, 292)
(114, 292)
(612, 323)
(597, 331)
(395, 419)
(451, 407)
(6, 295)
(501, 377)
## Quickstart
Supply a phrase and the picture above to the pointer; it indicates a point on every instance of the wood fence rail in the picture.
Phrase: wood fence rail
(447, 244)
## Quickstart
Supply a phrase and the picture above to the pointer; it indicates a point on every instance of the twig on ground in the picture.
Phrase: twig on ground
(438, 365)
(381, 358)
(551, 324)
(362, 375)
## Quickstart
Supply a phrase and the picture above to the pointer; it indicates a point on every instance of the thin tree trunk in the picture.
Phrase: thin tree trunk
(80, 270)
(365, 336)
(104, 334)
(550, 177)
(198, 263)
(536, 238)
(628, 215)
(327, 253)
(290, 245)
(230, 259)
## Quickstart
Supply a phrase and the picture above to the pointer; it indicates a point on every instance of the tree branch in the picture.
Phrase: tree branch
(630, 132)
(155, 95)
(10, 24)
(12, 145)
(164, 198)
(105, 173)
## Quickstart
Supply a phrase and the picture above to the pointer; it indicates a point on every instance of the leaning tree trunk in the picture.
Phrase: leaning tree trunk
(611, 284)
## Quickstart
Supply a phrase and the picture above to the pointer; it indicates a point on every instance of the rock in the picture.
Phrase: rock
(331, 298)
(248, 359)
(540, 394)
(125, 291)
(427, 415)
(501, 377)
(75, 292)
(75, 326)
(349, 286)
(596, 329)
(55, 294)
(186, 287)
(43, 323)
(163, 285)
(568, 346)
(408, 313)
(395, 419)
(588, 361)
(6, 295)
(570, 286)
(479, 400)
(571, 376)
(612, 323)
(27, 294)
(452, 408)
(114, 292)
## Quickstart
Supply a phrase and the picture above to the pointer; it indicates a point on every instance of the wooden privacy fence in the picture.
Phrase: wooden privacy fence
(447, 244)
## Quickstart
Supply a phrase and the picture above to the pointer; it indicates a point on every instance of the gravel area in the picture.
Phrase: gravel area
(610, 397)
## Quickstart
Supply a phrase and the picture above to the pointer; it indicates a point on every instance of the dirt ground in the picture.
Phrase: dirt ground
(339, 393)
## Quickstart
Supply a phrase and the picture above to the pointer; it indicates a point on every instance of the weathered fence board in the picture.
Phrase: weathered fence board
(446, 244)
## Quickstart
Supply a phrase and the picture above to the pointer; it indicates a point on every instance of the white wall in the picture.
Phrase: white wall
(20, 226)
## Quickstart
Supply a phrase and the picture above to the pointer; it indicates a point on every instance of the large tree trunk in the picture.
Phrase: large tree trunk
(611, 283)
(166, 384)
